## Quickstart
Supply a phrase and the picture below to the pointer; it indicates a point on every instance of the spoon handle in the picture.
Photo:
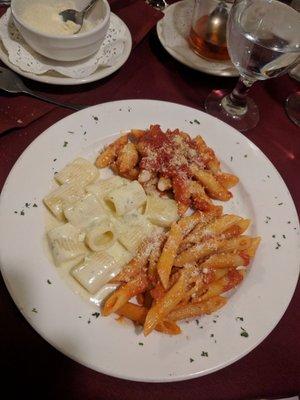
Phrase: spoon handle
(89, 6)
(52, 101)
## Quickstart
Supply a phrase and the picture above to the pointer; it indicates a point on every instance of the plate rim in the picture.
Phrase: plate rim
(67, 81)
(165, 379)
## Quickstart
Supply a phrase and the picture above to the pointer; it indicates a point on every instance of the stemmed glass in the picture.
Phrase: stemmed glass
(292, 107)
(263, 38)
(292, 103)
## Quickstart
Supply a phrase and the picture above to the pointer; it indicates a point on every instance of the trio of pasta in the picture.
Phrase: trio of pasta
(127, 230)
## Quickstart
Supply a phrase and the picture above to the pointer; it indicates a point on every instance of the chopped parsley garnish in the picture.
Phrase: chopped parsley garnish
(273, 236)
(214, 321)
(54, 159)
(231, 158)
(245, 155)
(70, 132)
(16, 212)
(284, 237)
(191, 360)
(34, 310)
(239, 319)
(289, 222)
(96, 314)
(197, 321)
(79, 316)
(280, 204)
(244, 333)
(201, 327)
(89, 321)
(65, 144)
(267, 219)
(95, 118)
(49, 282)
(204, 354)
(196, 121)
(141, 344)
(212, 335)
(277, 245)
(34, 205)
(22, 212)
(84, 132)
(27, 205)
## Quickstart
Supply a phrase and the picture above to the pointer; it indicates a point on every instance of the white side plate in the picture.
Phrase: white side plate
(172, 31)
(54, 78)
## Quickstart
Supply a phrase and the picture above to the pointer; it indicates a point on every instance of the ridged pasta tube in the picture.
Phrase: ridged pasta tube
(126, 198)
(101, 236)
(132, 229)
(80, 171)
(85, 212)
(95, 271)
(67, 193)
(133, 238)
(67, 244)
(120, 254)
(103, 187)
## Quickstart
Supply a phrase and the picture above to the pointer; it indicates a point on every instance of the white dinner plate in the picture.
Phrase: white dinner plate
(65, 320)
(172, 31)
(54, 78)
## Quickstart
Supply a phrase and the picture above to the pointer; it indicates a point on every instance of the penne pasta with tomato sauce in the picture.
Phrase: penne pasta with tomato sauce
(186, 274)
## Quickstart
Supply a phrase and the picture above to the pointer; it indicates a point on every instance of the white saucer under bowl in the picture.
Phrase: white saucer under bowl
(172, 31)
(55, 78)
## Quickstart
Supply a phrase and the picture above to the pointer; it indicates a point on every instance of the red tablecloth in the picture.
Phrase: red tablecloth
(30, 364)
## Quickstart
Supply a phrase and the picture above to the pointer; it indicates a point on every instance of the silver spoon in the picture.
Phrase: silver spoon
(11, 83)
(77, 16)
(216, 24)
(157, 4)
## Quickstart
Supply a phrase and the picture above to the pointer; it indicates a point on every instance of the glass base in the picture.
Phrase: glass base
(242, 119)
(292, 107)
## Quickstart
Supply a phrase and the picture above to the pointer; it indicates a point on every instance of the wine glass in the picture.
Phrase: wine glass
(263, 42)
(292, 107)
(292, 103)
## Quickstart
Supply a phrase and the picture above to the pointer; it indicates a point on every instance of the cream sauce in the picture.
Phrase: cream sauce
(45, 18)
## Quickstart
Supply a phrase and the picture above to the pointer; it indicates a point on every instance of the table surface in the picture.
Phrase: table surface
(273, 368)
